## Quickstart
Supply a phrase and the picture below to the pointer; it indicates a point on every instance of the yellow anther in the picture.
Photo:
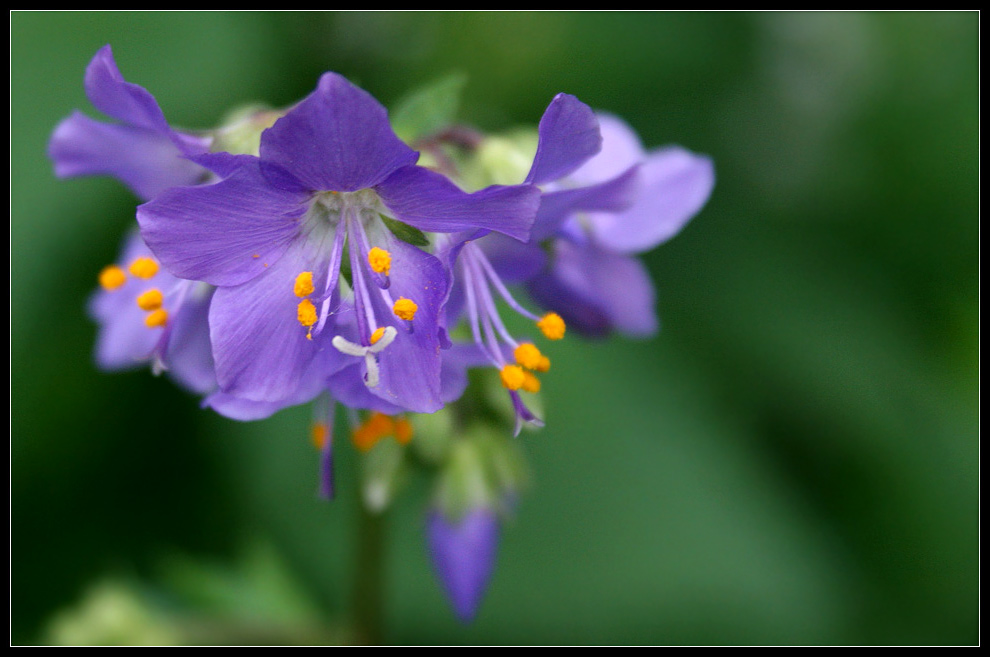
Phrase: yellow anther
(319, 433)
(544, 364)
(403, 431)
(405, 309)
(306, 312)
(377, 335)
(150, 299)
(112, 277)
(380, 260)
(528, 355)
(304, 284)
(530, 383)
(376, 427)
(512, 377)
(552, 326)
(144, 268)
(156, 318)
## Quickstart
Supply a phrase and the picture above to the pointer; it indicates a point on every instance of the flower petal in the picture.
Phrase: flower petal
(225, 233)
(427, 200)
(569, 136)
(611, 196)
(261, 351)
(463, 554)
(110, 93)
(148, 162)
(338, 138)
(621, 149)
(675, 185)
(596, 291)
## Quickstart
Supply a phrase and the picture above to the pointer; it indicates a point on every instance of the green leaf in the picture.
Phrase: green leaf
(429, 108)
(405, 232)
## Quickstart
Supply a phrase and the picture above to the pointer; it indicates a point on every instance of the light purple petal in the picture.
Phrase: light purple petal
(427, 200)
(569, 136)
(147, 162)
(225, 233)
(596, 291)
(114, 96)
(675, 185)
(611, 196)
(512, 260)
(410, 367)
(237, 408)
(338, 138)
(189, 355)
(621, 149)
(463, 554)
(347, 387)
(261, 350)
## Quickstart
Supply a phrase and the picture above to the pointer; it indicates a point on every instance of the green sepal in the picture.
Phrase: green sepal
(405, 232)
(429, 108)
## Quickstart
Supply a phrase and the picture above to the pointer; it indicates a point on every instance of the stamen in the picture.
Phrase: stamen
(530, 383)
(552, 326)
(527, 355)
(512, 377)
(403, 431)
(150, 299)
(544, 365)
(156, 318)
(380, 260)
(112, 277)
(304, 284)
(306, 313)
(377, 335)
(144, 267)
(376, 427)
(319, 433)
(405, 309)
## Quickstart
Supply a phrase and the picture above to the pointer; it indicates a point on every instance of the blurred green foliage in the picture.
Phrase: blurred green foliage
(793, 460)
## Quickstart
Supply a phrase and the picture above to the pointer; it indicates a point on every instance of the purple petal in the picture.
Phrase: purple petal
(114, 96)
(410, 366)
(238, 408)
(427, 200)
(621, 149)
(226, 233)
(338, 138)
(512, 260)
(675, 185)
(596, 291)
(463, 554)
(347, 387)
(569, 136)
(261, 350)
(148, 162)
(189, 355)
(611, 196)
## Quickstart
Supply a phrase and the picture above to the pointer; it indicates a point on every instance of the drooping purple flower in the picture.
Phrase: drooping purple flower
(271, 237)
(591, 279)
(463, 553)
(141, 150)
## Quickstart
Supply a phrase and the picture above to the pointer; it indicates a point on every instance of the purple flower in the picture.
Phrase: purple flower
(592, 281)
(271, 237)
(141, 150)
(463, 554)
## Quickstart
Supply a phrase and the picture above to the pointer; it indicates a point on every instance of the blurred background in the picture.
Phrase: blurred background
(793, 460)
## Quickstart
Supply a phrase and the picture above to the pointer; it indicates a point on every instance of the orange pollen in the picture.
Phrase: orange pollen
(150, 299)
(403, 431)
(304, 284)
(144, 268)
(319, 433)
(405, 309)
(527, 355)
(376, 427)
(544, 364)
(380, 260)
(552, 326)
(530, 383)
(306, 313)
(156, 318)
(377, 335)
(112, 277)
(512, 377)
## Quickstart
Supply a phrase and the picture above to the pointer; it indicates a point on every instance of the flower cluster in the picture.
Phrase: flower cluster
(311, 255)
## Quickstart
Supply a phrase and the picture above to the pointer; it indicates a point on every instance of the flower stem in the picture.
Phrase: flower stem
(367, 594)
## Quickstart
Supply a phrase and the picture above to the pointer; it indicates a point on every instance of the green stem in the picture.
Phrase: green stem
(368, 580)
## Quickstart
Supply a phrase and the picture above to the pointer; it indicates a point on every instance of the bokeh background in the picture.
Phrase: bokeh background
(794, 460)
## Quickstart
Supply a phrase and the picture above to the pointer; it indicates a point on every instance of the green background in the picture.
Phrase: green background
(793, 460)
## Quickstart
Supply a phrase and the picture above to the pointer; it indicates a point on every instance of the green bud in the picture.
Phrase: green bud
(428, 109)
(433, 434)
(383, 473)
